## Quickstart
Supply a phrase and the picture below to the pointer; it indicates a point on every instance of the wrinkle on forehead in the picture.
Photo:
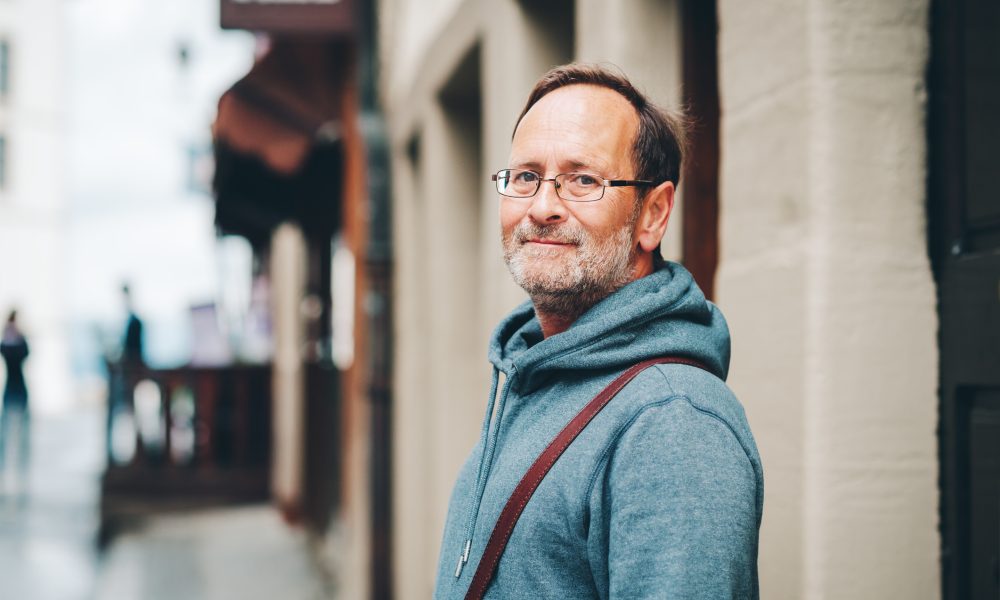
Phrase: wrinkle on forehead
(580, 123)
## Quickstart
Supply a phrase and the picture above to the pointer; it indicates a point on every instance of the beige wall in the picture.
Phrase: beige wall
(826, 283)
(823, 272)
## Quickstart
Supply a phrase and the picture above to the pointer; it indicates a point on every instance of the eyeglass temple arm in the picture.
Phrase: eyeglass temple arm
(626, 182)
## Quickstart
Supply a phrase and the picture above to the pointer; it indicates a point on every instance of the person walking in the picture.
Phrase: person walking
(123, 375)
(14, 349)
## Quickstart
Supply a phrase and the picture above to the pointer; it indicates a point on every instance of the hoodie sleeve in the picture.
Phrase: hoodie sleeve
(677, 509)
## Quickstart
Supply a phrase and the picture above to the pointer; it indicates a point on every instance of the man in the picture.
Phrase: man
(661, 495)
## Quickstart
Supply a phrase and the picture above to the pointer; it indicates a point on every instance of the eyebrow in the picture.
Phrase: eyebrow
(572, 165)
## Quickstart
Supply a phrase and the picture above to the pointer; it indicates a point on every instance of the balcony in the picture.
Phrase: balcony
(184, 438)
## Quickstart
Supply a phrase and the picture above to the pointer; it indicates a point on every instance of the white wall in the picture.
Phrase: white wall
(33, 201)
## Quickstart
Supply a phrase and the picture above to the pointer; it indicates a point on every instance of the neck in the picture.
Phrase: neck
(555, 321)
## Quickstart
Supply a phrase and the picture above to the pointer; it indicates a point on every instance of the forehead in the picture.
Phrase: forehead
(579, 125)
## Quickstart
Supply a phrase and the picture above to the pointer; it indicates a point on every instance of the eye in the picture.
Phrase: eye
(583, 181)
(525, 177)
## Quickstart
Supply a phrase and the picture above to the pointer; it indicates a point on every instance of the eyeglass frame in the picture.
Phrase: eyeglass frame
(605, 183)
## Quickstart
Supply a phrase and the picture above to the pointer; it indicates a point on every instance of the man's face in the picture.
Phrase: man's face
(557, 248)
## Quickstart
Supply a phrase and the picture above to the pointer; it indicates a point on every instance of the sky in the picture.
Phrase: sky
(137, 115)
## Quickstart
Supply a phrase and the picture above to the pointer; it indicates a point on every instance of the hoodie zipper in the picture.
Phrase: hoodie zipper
(490, 431)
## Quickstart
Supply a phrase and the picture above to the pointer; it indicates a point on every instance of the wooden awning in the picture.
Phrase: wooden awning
(278, 146)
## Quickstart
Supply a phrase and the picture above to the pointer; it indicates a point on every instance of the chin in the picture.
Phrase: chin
(552, 280)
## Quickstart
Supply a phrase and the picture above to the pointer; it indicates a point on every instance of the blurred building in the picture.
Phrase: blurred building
(33, 206)
(293, 147)
(838, 206)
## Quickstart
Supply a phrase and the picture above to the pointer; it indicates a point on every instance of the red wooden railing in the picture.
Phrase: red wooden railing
(187, 437)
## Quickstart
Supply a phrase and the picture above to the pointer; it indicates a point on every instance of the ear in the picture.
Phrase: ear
(652, 223)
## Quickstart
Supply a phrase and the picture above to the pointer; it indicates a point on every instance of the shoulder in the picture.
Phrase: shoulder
(675, 420)
(664, 385)
(708, 395)
(681, 428)
(668, 386)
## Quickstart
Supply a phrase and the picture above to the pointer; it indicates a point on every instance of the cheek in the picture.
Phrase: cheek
(510, 215)
(602, 220)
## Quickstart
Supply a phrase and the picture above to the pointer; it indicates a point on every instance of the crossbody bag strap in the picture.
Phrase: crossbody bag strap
(533, 477)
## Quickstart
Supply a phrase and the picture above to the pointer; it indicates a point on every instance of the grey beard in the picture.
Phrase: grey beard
(599, 269)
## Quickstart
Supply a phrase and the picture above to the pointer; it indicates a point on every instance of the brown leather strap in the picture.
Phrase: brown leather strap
(529, 483)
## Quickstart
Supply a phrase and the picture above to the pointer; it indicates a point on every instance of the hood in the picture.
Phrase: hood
(662, 314)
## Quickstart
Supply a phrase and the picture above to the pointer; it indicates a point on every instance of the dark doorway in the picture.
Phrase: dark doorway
(700, 179)
(964, 233)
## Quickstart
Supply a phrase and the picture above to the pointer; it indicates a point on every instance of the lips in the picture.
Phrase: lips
(547, 242)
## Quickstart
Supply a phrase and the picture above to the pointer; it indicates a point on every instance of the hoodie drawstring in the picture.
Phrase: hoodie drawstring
(489, 439)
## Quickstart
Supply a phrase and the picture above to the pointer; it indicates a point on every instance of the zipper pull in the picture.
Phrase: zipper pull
(464, 558)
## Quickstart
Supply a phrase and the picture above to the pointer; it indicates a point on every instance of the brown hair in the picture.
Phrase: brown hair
(658, 150)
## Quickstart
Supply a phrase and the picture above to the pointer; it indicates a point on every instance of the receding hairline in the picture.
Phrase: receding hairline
(635, 122)
(658, 148)
(580, 84)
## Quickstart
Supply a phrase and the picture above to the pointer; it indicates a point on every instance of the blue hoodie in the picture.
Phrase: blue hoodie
(659, 497)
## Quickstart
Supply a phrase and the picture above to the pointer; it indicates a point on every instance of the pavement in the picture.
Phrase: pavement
(48, 519)
(245, 553)
(49, 524)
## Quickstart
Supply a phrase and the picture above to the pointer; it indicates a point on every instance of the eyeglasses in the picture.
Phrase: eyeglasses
(574, 187)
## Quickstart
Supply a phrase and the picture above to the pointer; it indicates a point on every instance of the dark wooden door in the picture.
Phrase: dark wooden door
(700, 179)
(964, 192)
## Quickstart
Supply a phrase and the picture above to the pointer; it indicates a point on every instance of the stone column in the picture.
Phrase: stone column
(287, 268)
(826, 282)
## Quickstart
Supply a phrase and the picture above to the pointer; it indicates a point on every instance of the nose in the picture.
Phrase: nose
(546, 206)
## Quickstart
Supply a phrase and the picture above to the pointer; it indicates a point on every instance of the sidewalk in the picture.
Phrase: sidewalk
(48, 523)
(246, 553)
(48, 530)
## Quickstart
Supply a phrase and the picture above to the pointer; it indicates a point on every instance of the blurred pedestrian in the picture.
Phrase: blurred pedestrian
(14, 348)
(132, 342)
(124, 376)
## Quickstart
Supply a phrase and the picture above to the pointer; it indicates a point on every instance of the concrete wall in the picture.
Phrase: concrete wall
(825, 280)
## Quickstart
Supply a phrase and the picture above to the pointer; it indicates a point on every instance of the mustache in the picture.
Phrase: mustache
(563, 234)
